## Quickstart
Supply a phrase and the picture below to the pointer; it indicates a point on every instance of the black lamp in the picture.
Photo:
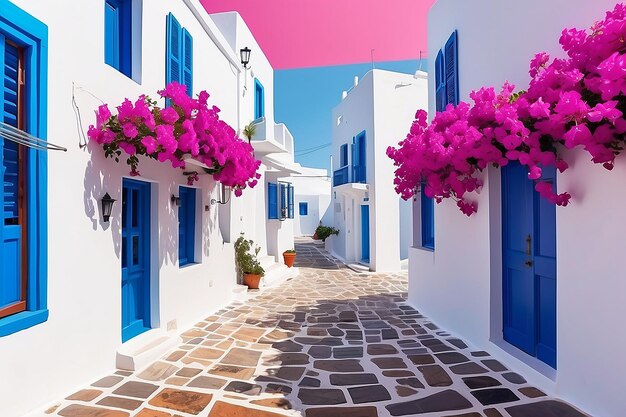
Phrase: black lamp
(107, 207)
(224, 195)
(245, 56)
(175, 200)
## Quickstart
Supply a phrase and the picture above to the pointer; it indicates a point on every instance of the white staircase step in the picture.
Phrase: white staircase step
(141, 351)
(278, 273)
(360, 268)
(266, 261)
(240, 292)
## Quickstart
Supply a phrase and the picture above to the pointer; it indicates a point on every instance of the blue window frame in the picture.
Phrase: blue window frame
(428, 221)
(186, 226)
(359, 158)
(178, 55)
(343, 155)
(447, 74)
(118, 35)
(21, 30)
(259, 100)
(286, 196)
(304, 208)
(272, 201)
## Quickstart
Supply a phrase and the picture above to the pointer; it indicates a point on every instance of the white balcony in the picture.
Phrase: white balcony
(268, 137)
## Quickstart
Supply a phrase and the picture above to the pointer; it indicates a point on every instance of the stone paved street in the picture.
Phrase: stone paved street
(329, 343)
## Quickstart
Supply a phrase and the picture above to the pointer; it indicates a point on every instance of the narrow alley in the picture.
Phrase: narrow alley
(331, 342)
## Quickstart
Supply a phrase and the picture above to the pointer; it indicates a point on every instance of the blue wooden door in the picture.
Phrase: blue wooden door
(365, 233)
(529, 264)
(135, 258)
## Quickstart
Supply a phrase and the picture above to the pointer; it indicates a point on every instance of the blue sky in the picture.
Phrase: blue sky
(304, 99)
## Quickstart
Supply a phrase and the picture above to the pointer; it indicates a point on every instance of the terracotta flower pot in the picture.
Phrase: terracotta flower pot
(252, 280)
(290, 258)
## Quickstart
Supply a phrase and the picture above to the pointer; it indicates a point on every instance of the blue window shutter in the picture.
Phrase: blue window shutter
(118, 35)
(428, 220)
(188, 62)
(343, 155)
(362, 147)
(272, 201)
(304, 208)
(259, 99)
(173, 65)
(186, 226)
(355, 159)
(452, 70)
(290, 207)
(283, 200)
(440, 83)
(10, 227)
(112, 33)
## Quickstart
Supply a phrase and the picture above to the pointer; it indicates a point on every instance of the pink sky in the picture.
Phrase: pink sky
(311, 33)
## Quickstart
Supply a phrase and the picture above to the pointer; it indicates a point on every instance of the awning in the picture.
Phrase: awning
(16, 135)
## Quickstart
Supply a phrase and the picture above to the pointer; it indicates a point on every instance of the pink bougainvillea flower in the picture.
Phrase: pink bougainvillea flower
(150, 143)
(128, 148)
(129, 130)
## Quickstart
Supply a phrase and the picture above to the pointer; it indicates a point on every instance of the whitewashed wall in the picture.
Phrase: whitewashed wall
(313, 188)
(273, 238)
(383, 104)
(459, 284)
(78, 343)
(396, 99)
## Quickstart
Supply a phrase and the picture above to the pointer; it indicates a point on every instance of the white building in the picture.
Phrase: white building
(374, 223)
(67, 314)
(312, 205)
(573, 315)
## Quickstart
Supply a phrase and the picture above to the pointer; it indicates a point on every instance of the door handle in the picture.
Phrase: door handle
(528, 241)
(528, 263)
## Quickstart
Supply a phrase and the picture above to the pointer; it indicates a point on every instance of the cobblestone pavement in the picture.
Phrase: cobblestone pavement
(329, 343)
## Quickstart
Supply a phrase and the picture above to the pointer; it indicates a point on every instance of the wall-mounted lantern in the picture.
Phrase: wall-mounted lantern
(175, 200)
(223, 195)
(245, 56)
(107, 207)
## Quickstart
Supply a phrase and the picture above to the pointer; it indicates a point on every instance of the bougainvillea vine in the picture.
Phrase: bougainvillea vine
(187, 128)
(578, 101)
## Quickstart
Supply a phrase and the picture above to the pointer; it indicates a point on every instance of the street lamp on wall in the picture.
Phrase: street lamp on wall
(107, 207)
(245, 56)
(223, 195)
(175, 200)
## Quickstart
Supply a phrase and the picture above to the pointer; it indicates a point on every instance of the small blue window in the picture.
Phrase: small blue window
(259, 100)
(304, 208)
(118, 35)
(428, 221)
(272, 201)
(343, 155)
(186, 226)
(179, 55)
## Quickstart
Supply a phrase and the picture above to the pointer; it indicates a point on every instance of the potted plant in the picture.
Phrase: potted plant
(323, 232)
(289, 257)
(247, 262)
(248, 131)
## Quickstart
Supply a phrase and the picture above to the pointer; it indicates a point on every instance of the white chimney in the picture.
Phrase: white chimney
(344, 94)
(356, 80)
